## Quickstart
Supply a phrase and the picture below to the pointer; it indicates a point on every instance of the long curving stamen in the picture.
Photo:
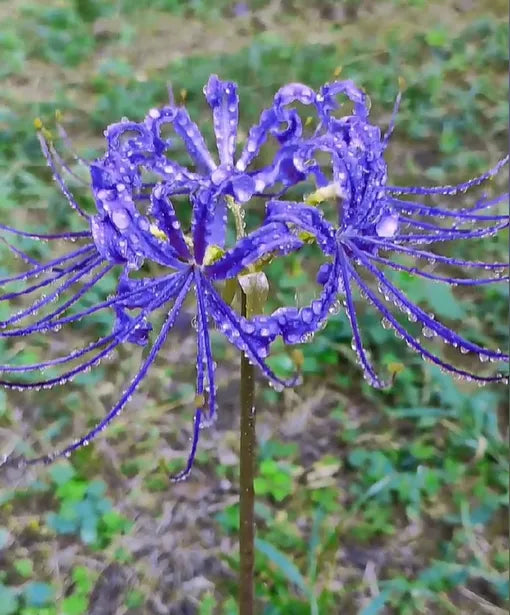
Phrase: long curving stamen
(58, 178)
(67, 142)
(126, 396)
(449, 190)
(19, 253)
(35, 307)
(183, 474)
(47, 323)
(75, 354)
(65, 377)
(76, 297)
(391, 126)
(429, 323)
(432, 257)
(425, 210)
(449, 235)
(438, 278)
(63, 164)
(413, 342)
(48, 281)
(436, 229)
(36, 271)
(369, 372)
(48, 236)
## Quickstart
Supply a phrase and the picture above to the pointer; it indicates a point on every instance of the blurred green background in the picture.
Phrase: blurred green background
(367, 502)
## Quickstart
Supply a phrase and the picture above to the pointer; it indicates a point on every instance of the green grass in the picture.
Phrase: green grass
(367, 502)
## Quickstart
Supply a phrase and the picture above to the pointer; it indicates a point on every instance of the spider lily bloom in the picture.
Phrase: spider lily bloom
(374, 225)
(122, 237)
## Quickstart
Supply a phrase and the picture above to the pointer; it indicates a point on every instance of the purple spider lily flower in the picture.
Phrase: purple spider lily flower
(133, 185)
(374, 225)
(121, 237)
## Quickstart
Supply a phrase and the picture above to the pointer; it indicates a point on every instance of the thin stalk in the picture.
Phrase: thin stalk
(247, 475)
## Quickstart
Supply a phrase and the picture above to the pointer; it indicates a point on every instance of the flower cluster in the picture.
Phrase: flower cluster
(135, 185)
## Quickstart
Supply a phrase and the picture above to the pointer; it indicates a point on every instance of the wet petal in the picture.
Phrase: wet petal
(223, 99)
(269, 239)
(164, 213)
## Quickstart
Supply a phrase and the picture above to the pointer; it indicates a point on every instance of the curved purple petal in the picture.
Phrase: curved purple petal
(271, 119)
(257, 136)
(297, 326)
(139, 334)
(241, 333)
(306, 217)
(164, 212)
(193, 140)
(203, 217)
(121, 140)
(204, 345)
(223, 99)
(326, 99)
(269, 239)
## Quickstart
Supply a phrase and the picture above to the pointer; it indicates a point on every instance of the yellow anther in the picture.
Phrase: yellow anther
(189, 242)
(199, 401)
(308, 120)
(157, 232)
(322, 194)
(402, 84)
(306, 237)
(38, 125)
(337, 71)
(213, 254)
(183, 95)
(59, 116)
